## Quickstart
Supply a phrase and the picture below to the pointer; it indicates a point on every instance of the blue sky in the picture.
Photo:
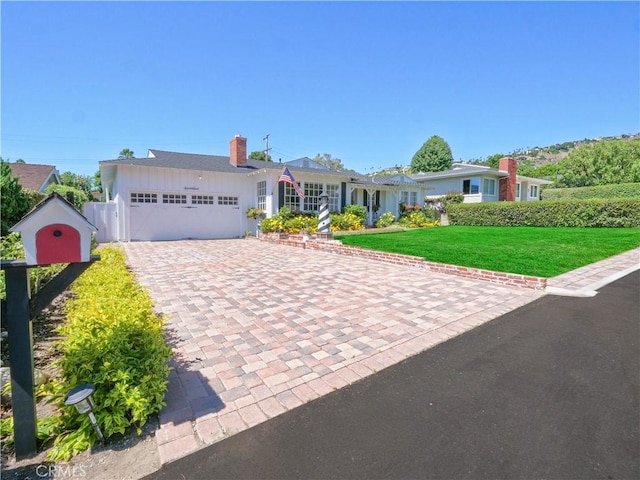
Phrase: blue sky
(367, 82)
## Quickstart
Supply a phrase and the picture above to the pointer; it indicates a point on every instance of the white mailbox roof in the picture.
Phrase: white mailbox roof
(53, 209)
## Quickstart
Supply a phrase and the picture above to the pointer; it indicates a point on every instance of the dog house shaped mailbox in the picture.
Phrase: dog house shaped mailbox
(55, 232)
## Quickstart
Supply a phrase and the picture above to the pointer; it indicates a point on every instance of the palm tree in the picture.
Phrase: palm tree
(126, 153)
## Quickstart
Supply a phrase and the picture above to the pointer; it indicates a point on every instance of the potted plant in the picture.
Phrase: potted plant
(256, 213)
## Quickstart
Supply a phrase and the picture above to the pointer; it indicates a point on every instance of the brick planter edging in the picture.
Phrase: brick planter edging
(335, 246)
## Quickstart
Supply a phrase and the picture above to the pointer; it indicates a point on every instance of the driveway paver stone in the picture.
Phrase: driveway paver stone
(259, 328)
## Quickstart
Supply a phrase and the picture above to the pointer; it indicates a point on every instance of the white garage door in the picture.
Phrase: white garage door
(157, 216)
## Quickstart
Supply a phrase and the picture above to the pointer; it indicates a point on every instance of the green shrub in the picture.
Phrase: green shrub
(113, 340)
(558, 213)
(79, 197)
(385, 220)
(34, 197)
(357, 210)
(14, 203)
(616, 190)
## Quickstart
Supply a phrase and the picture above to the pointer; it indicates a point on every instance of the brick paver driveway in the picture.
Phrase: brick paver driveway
(258, 329)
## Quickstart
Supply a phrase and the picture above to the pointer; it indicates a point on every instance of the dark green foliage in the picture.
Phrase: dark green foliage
(259, 155)
(79, 197)
(14, 204)
(559, 213)
(601, 163)
(79, 182)
(434, 156)
(33, 197)
(615, 190)
(493, 160)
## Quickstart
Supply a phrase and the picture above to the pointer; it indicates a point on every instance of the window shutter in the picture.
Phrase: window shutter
(280, 195)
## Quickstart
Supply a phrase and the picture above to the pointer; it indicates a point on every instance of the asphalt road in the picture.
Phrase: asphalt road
(551, 390)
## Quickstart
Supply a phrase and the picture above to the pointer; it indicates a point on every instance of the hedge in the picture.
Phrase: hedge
(618, 190)
(558, 213)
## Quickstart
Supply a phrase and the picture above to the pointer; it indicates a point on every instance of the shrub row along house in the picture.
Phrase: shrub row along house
(172, 196)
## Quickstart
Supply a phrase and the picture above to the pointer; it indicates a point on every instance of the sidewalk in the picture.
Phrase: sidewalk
(585, 281)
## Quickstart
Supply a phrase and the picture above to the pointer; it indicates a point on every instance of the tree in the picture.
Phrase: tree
(14, 204)
(328, 161)
(260, 155)
(434, 156)
(79, 182)
(126, 153)
(79, 197)
(494, 160)
(97, 181)
(601, 163)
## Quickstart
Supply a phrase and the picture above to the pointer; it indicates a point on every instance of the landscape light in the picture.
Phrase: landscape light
(80, 397)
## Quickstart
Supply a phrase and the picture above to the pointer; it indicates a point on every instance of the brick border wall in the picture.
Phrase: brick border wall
(335, 246)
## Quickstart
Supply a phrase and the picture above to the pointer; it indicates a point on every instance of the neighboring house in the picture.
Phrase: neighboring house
(35, 177)
(483, 184)
(170, 196)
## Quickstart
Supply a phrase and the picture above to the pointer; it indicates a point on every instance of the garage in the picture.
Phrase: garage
(172, 216)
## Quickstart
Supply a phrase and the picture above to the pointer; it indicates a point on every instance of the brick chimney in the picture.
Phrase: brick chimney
(238, 147)
(507, 191)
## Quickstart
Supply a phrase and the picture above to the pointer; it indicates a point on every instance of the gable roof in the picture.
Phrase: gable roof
(43, 205)
(222, 164)
(34, 176)
(216, 163)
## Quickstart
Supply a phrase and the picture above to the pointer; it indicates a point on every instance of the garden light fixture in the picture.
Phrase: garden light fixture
(80, 397)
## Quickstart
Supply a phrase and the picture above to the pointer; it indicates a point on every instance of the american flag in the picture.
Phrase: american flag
(288, 178)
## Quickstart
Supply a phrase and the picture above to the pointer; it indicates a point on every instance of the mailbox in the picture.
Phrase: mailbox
(55, 232)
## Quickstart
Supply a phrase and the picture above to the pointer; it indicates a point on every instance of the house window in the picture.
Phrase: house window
(409, 198)
(312, 193)
(471, 186)
(533, 191)
(291, 198)
(227, 200)
(144, 197)
(202, 199)
(173, 198)
(333, 191)
(488, 186)
(518, 186)
(262, 195)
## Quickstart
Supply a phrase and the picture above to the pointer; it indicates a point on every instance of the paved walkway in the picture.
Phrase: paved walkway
(585, 281)
(259, 329)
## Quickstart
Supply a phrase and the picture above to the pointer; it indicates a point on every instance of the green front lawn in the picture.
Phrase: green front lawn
(536, 251)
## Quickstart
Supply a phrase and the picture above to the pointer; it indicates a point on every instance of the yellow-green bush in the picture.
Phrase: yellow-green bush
(417, 219)
(385, 220)
(113, 340)
(346, 221)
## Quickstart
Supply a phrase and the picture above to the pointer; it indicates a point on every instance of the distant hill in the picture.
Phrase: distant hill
(540, 156)
(535, 157)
